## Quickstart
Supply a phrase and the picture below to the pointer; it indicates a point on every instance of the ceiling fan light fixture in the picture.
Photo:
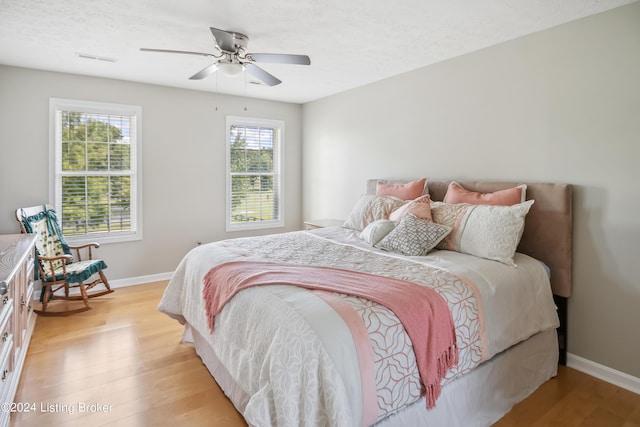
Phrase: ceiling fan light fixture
(230, 68)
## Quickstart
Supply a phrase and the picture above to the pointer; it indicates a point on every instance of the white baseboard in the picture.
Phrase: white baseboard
(604, 373)
(121, 283)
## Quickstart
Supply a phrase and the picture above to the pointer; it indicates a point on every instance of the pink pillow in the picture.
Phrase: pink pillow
(509, 197)
(409, 191)
(420, 207)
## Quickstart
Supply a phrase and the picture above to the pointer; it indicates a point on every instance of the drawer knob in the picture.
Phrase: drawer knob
(5, 374)
(5, 300)
(5, 336)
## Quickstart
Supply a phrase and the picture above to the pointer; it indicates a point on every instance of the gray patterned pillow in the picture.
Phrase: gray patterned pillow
(414, 236)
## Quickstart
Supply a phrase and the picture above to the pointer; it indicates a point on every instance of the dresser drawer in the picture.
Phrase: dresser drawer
(29, 300)
(6, 343)
(6, 337)
(6, 370)
(6, 303)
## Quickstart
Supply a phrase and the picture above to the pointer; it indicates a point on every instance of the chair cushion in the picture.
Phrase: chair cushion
(47, 244)
(77, 271)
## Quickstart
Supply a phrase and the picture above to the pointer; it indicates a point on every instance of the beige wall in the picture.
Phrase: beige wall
(561, 105)
(183, 168)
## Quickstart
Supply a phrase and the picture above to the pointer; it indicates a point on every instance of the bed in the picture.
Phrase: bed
(321, 354)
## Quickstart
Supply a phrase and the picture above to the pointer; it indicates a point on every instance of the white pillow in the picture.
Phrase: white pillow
(491, 232)
(414, 236)
(377, 230)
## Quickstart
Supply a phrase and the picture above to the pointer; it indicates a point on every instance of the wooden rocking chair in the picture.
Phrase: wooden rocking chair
(58, 269)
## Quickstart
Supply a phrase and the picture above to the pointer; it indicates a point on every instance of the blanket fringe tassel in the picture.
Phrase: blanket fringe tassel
(446, 361)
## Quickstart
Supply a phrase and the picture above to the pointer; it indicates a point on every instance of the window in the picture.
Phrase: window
(95, 172)
(254, 178)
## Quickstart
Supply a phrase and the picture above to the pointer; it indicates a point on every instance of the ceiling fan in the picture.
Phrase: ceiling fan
(232, 58)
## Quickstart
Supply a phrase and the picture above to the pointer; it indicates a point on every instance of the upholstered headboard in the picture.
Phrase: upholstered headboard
(548, 225)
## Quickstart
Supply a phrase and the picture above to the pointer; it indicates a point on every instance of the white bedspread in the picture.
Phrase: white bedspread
(306, 371)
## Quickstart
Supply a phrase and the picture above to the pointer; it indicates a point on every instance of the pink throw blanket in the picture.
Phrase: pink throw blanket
(423, 313)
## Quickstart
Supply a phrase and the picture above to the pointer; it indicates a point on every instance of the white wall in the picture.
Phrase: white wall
(183, 149)
(562, 105)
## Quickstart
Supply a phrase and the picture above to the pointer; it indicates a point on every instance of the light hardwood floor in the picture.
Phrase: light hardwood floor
(126, 358)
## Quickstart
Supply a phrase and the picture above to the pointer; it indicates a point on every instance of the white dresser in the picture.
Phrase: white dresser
(17, 319)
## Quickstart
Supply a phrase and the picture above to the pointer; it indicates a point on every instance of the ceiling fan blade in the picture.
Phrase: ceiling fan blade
(206, 71)
(280, 58)
(184, 52)
(229, 41)
(261, 74)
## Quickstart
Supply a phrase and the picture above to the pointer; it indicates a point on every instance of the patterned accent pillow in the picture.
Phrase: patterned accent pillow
(420, 207)
(491, 232)
(451, 216)
(377, 230)
(370, 208)
(414, 236)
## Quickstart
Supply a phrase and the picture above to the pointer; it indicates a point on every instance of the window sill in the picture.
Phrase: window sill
(79, 240)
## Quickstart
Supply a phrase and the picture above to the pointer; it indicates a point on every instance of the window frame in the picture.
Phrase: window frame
(55, 165)
(277, 175)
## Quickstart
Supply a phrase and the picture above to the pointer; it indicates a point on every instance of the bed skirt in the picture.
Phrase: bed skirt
(479, 398)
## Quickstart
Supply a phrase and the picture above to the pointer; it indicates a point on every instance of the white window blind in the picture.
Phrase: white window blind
(96, 181)
(254, 192)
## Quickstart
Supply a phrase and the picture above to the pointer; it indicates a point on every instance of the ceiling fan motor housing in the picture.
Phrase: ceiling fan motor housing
(233, 43)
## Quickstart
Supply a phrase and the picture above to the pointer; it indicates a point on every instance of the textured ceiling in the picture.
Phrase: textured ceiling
(351, 43)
